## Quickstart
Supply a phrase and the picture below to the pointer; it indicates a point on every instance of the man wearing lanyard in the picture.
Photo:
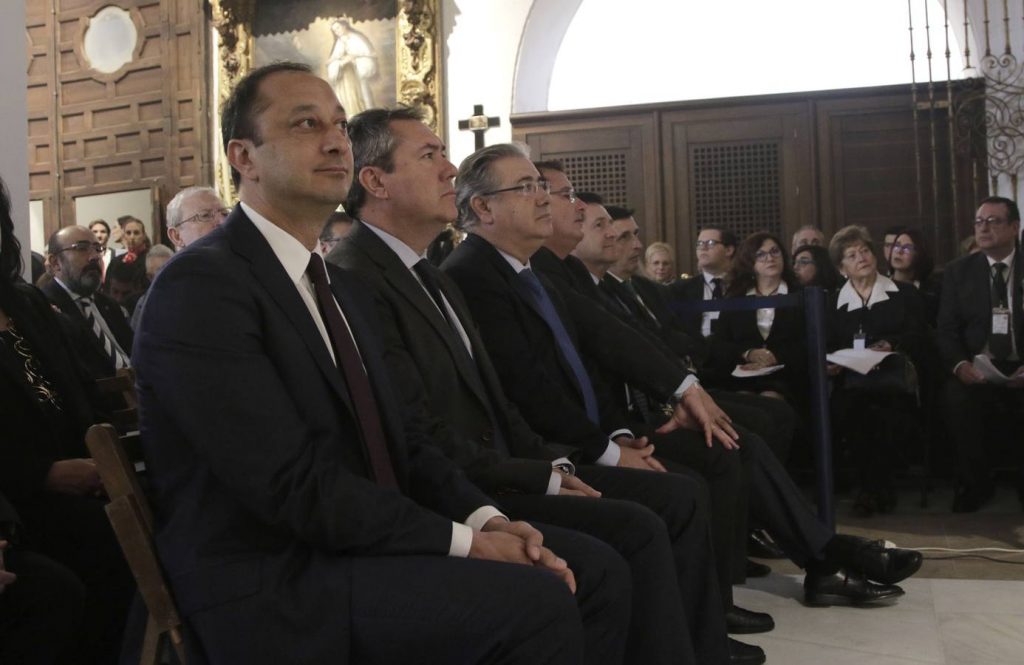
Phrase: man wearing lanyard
(979, 336)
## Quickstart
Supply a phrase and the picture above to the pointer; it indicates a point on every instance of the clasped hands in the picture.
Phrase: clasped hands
(969, 375)
(759, 359)
(518, 542)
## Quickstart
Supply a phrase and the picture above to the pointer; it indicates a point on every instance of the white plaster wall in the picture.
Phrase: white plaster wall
(14, 112)
(481, 41)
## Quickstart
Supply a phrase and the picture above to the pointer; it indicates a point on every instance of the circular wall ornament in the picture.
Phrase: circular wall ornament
(110, 40)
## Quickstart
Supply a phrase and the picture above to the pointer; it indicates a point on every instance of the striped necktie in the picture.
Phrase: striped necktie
(118, 358)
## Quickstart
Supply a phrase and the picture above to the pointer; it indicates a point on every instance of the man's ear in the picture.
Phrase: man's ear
(52, 263)
(370, 177)
(730, 251)
(174, 235)
(239, 153)
(481, 206)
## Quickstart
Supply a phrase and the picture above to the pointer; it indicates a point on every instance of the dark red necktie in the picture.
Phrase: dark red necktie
(351, 366)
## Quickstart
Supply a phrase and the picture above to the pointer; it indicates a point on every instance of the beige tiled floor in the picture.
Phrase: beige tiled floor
(965, 611)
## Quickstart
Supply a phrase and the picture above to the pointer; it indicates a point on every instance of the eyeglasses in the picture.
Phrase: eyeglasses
(762, 255)
(569, 193)
(897, 248)
(206, 216)
(802, 262)
(707, 244)
(530, 188)
(990, 221)
(84, 246)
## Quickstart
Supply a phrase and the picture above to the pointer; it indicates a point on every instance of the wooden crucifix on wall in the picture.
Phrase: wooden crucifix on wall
(479, 123)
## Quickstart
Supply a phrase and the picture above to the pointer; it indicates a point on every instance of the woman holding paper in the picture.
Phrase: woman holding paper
(763, 349)
(873, 313)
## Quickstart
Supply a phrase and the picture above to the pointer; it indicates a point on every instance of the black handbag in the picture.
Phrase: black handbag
(895, 375)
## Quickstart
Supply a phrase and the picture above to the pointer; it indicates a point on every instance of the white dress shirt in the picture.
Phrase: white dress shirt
(294, 258)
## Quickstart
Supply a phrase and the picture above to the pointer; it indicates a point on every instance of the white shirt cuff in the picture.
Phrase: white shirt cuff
(564, 465)
(462, 534)
(962, 362)
(554, 484)
(621, 432)
(687, 383)
(611, 454)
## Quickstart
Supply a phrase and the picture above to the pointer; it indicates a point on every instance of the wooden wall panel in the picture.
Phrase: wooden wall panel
(143, 126)
(835, 158)
(614, 157)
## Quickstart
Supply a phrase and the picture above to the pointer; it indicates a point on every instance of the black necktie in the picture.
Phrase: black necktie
(355, 375)
(547, 310)
(999, 344)
(999, 297)
(427, 272)
(716, 290)
(422, 268)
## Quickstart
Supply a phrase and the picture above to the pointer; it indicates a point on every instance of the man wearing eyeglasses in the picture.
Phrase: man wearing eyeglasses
(192, 213)
(981, 329)
(74, 258)
(715, 249)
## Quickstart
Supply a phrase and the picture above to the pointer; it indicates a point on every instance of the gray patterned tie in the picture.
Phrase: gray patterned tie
(118, 358)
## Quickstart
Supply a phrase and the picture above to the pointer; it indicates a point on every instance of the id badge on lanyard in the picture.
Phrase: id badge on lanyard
(858, 340)
(1000, 321)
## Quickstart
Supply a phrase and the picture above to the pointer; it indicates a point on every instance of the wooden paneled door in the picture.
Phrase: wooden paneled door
(140, 127)
(613, 157)
(747, 168)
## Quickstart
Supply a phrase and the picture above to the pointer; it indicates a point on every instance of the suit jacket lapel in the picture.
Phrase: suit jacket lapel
(402, 280)
(268, 271)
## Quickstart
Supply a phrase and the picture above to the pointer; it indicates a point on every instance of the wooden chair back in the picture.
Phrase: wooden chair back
(132, 520)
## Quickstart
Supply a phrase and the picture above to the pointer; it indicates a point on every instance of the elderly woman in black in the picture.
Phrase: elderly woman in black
(45, 471)
(871, 311)
(762, 338)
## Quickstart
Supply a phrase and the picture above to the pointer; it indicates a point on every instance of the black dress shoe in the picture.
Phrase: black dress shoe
(873, 559)
(755, 569)
(761, 545)
(739, 621)
(745, 654)
(845, 587)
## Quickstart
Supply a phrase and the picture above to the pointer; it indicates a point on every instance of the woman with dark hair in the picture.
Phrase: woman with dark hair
(45, 471)
(912, 262)
(758, 339)
(873, 312)
(813, 267)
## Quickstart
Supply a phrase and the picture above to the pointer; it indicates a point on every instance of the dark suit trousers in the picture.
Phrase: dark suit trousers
(74, 532)
(41, 612)
(971, 412)
(773, 419)
(676, 618)
(474, 608)
(750, 479)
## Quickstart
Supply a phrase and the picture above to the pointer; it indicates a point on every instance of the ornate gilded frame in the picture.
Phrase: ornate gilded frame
(418, 63)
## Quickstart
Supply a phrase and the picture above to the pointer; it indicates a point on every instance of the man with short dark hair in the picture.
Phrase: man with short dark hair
(293, 491)
(444, 369)
(981, 335)
(73, 256)
(715, 249)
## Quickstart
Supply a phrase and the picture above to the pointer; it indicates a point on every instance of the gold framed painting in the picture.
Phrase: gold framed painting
(373, 52)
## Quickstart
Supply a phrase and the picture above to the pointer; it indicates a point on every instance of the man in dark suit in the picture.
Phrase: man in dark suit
(981, 315)
(506, 208)
(715, 248)
(444, 368)
(294, 493)
(74, 259)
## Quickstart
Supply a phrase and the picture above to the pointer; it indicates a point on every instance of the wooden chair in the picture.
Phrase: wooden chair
(132, 520)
